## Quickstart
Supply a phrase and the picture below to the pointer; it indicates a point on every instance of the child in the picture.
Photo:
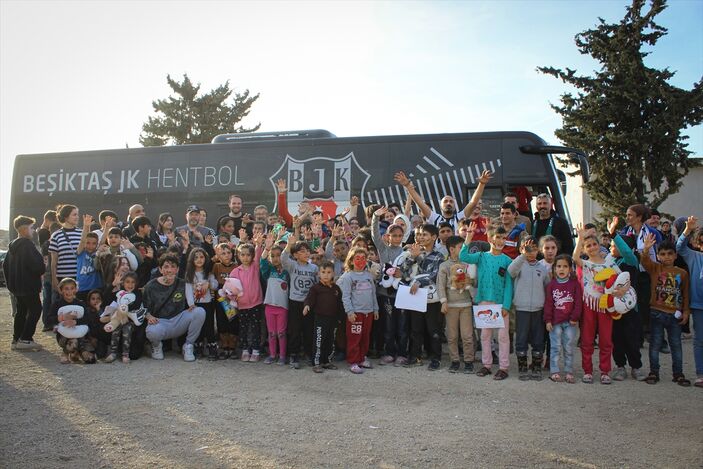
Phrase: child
(669, 307)
(359, 299)
(87, 275)
(337, 250)
(495, 286)
(73, 325)
(199, 282)
(396, 335)
(250, 301)
(325, 300)
(594, 318)
(694, 260)
(124, 332)
(303, 275)
(548, 247)
(529, 280)
(456, 306)
(562, 311)
(424, 257)
(227, 329)
(276, 299)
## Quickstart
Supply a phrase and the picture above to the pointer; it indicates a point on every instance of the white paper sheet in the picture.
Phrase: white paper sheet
(416, 302)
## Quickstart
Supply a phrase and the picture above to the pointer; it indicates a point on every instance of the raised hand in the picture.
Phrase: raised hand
(242, 234)
(281, 186)
(613, 225)
(649, 241)
(381, 211)
(691, 225)
(415, 250)
(354, 200)
(580, 230)
(401, 178)
(87, 220)
(485, 177)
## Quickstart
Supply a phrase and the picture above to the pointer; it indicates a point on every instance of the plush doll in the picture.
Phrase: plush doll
(459, 277)
(117, 313)
(619, 296)
(388, 279)
(228, 294)
(72, 332)
(375, 270)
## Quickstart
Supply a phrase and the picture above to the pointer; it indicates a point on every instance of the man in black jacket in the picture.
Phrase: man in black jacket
(547, 222)
(23, 268)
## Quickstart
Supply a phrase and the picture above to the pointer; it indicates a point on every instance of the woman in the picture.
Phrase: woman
(62, 246)
(165, 229)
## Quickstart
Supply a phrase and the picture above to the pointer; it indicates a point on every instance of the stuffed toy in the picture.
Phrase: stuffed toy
(375, 270)
(72, 332)
(117, 313)
(388, 279)
(228, 294)
(459, 277)
(619, 296)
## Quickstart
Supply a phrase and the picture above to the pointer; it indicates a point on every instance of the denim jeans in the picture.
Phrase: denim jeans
(563, 339)
(396, 330)
(697, 315)
(659, 321)
(529, 330)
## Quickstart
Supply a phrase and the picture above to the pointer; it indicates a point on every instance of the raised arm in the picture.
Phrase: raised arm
(478, 193)
(408, 209)
(282, 203)
(403, 180)
(87, 221)
(578, 249)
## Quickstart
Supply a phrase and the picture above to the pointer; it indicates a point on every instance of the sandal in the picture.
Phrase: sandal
(64, 359)
(698, 383)
(652, 378)
(605, 379)
(587, 378)
(500, 375)
(569, 378)
(681, 380)
(556, 377)
(483, 372)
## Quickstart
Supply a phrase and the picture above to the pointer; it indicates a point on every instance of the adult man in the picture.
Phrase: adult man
(23, 268)
(135, 211)
(511, 198)
(548, 223)
(168, 314)
(448, 203)
(196, 233)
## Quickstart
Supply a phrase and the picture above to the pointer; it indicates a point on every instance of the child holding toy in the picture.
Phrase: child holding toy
(249, 302)
(360, 305)
(131, 298)
(562, 311)
(228, 329)
(494, 286)
(73, 325)
(199, 282)
(276, 299)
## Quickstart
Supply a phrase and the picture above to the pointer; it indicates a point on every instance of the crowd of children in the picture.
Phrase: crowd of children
(296, 289)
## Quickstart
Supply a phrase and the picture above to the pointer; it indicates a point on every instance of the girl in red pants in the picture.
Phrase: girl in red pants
(360, 304)
(593, 318)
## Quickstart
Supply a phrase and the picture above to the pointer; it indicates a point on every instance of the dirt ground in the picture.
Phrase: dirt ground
(241, 415)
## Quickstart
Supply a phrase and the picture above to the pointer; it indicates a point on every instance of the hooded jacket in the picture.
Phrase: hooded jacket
(23, 268)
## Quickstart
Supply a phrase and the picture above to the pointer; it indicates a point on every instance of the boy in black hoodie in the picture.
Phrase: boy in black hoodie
(23, 269)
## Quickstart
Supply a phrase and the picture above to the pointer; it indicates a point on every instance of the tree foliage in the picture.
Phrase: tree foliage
(628, 117)
(191, 118)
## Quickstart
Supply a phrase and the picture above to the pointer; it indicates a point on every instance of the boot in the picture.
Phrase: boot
(522, 368)
(536, 373)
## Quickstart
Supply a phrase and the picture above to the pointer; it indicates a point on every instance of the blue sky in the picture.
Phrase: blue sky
(82, 75)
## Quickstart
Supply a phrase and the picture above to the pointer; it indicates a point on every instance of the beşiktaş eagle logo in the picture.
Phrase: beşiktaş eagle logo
(327, 184)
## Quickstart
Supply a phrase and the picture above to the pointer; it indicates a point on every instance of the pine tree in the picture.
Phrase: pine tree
(628, 117)
(190, 118)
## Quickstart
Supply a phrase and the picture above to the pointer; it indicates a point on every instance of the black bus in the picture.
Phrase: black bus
(318, 167)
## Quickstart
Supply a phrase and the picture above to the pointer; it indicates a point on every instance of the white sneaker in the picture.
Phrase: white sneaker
(27, 345)
(157, 352)
(639, 374)
(188, 354)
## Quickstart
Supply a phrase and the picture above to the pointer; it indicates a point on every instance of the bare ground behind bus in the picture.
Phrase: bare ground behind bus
(231, 414)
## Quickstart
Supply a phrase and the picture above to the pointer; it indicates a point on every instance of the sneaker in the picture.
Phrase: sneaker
(638, 374)
(413, 362)
(329, 366)
(281, 361)
(317, 369)
(198, 349)
(587, 378)
(400, 361)
(665, 349)
(434, 365)
(620, 374)
(27, 345)
(255, 357)
(356, 369)
(605, 379)
(294, 363)
(245, 355)
(468, 368)
(188, 353)
(454, 367)
(14, 345)
(269, 360)
(157, 351)
(386, 360)
(212, 352)
(110, 358)
(366, 364)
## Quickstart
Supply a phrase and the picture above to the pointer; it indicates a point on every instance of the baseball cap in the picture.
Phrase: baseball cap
(193, 208)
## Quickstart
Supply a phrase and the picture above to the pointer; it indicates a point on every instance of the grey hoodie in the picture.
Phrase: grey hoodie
(529, 283)
(358, 292)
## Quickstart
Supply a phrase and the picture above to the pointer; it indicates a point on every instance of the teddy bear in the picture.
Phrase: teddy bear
(228, 294)
(117, 313)
(619, 296)
(459, 277)
(71, 332)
